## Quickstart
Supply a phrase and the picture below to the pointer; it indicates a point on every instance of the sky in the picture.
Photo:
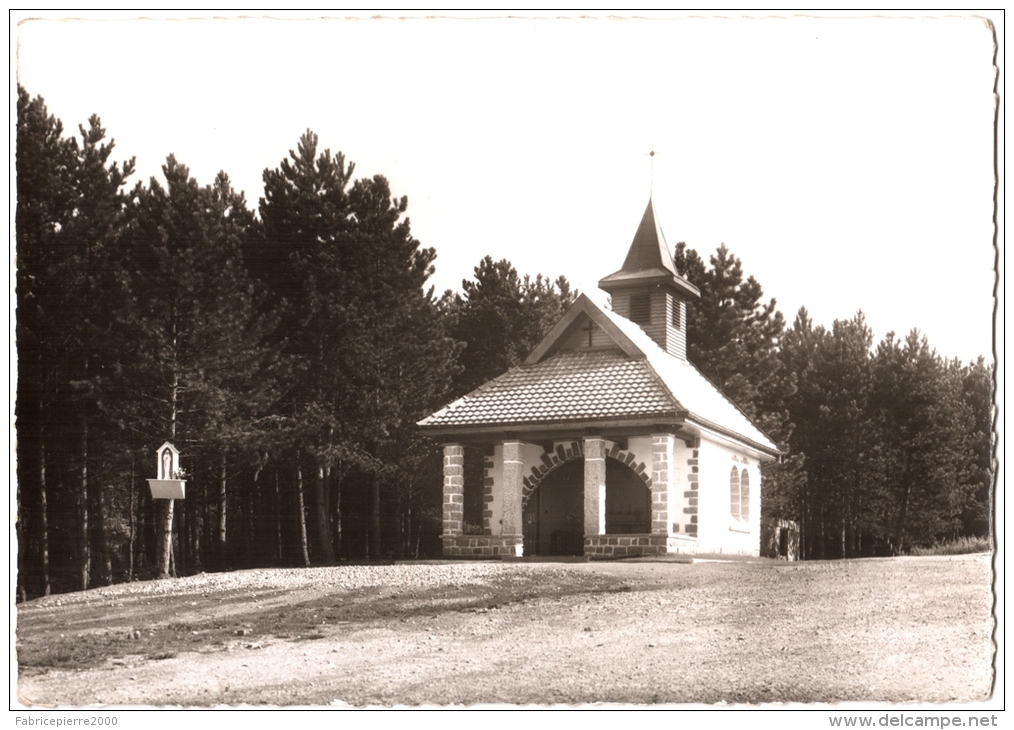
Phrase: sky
(848, 162)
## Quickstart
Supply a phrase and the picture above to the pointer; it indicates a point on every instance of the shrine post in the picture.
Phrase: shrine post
(168, 486)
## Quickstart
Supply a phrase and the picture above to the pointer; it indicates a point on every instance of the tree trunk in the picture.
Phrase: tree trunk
(804, 523)
(375, 550)
(899, 545)
(133, 528)
(105, 560)
(823, 538)
(844, 522)
(164, 546)
(195, 522)
(854, 524)
(19, 523)
(220, 545)
(238, 553)
(142, 531)
(182, 531)
(43, 515)
(278, 520)
(255, 546)
(323, 517)
(338, 520)
(400, 518)
(84, 550)
(172, 553)
(303, 542)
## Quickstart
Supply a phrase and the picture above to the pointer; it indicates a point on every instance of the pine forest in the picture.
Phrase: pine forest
(289, 348)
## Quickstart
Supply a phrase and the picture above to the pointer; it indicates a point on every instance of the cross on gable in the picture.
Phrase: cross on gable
(589, 329)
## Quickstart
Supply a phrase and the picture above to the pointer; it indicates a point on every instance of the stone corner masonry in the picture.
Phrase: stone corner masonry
(659, 477)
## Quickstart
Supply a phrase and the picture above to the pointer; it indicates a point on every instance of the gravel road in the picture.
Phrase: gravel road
(892, 630)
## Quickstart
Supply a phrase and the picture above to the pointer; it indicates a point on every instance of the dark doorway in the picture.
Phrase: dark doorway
(783, 542)
(628, 501)
(554, 517)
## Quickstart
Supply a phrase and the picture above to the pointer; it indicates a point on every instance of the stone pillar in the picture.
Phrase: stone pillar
(594, 487)
(663, 451)
(513, 482)
(454, 489)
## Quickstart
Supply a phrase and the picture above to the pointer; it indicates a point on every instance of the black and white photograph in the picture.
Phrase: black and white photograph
(499, 361)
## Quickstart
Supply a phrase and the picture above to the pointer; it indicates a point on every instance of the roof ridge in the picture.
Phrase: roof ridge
(658, 378)
(654, 350)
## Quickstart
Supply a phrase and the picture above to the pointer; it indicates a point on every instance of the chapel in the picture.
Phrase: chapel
(606, 441)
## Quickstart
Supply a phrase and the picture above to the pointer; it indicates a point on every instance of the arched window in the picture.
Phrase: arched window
(744, 495)
(734, 498)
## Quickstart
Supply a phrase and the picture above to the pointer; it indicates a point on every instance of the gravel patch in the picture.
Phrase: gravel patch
(896, 630)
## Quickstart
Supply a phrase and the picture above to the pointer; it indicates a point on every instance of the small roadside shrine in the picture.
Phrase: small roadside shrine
(607, 441)
(167, 487)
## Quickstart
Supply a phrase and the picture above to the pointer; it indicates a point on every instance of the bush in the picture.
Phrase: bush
(958, 546)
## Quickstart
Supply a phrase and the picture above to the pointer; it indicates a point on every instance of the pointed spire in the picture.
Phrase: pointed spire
(648, 249)
(649, 262)
(649, 291)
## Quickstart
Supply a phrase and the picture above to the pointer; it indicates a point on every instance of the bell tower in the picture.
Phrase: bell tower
(649, 291)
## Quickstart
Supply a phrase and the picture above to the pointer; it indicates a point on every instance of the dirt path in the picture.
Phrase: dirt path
(521, 633)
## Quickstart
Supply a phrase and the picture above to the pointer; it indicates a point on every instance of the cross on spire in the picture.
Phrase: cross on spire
(652, 154)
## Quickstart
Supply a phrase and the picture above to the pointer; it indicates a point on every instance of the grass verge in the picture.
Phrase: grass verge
(959, 546)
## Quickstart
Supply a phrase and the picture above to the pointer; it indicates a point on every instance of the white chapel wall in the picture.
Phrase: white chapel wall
(718, 530)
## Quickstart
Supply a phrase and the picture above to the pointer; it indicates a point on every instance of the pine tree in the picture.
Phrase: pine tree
(501, 317)
(45, 164)
(191, 357)
(365, 342)
(926, 433)
(977, 389)
(70, 213)
(93, 231)
(734, 339)
(834, 433)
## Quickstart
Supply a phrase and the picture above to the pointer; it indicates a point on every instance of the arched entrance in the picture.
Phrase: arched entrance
(554, 517)
(628, 501)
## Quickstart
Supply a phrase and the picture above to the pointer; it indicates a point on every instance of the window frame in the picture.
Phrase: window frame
(739, 501)
(735, 495)
(640, 308)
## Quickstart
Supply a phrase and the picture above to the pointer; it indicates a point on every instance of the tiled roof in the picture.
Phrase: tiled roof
(707, 405)
(589, 385)
(568, 386)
